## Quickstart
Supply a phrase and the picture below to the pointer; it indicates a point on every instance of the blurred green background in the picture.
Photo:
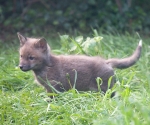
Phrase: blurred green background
(49, 16)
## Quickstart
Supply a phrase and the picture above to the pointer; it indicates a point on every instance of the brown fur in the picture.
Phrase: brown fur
(61, 70)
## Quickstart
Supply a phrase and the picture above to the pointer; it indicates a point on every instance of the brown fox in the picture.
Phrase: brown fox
(64, 72)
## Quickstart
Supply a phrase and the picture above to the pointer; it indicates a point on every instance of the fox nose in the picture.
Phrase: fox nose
(21, 67)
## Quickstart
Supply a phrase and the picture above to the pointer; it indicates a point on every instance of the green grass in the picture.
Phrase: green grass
(23, 102)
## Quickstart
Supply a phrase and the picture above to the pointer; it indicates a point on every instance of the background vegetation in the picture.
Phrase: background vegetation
(36, 16)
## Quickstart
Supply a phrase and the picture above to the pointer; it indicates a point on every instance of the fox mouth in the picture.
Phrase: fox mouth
(24, 68)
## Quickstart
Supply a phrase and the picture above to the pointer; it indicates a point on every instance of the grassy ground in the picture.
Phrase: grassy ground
(22, 102)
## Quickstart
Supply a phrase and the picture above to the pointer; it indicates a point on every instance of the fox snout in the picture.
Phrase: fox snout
(24, 67)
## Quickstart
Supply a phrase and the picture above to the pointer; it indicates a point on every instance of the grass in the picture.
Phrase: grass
(22, 102)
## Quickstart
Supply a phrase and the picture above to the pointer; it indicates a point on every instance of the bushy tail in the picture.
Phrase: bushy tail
(126, 62)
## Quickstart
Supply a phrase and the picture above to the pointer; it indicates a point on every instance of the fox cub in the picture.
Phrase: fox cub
(60, 71)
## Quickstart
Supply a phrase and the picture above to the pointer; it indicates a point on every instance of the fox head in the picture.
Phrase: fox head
(34, 53)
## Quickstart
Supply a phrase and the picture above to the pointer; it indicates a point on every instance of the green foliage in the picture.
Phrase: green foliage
(90, 46)
(23, 102)
(68, 15)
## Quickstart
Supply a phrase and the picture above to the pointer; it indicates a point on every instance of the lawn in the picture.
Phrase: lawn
(23, 102)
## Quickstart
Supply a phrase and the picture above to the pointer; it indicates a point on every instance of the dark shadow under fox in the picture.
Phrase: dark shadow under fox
(61, 70)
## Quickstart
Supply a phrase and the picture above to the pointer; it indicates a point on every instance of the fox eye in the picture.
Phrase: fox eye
(31, 58)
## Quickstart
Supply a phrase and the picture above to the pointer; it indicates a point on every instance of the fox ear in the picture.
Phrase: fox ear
(22, 39)
(41, 44)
